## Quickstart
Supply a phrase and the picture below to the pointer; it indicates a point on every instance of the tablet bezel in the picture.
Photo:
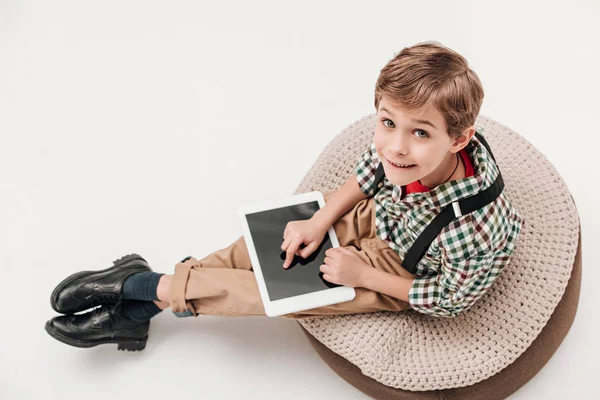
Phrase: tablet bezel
(305, 301)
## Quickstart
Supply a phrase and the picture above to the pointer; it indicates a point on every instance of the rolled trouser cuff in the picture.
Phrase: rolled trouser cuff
(178, 285)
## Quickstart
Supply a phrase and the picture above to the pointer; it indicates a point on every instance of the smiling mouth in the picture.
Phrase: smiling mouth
(402, 166)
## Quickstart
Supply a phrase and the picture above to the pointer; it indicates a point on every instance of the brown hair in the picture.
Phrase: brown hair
(429, 73)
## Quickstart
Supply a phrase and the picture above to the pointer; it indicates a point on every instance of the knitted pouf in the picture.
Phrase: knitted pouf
(489, 350)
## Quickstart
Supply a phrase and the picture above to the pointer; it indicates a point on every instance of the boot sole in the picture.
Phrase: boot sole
(120, 263)
(123, 344)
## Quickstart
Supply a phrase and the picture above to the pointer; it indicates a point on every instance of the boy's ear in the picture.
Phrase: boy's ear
(464, 138)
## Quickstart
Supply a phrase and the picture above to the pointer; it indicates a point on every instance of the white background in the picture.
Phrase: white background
(142, 126)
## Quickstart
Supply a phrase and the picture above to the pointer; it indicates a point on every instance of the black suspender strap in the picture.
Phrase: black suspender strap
(379, 175)
(448, 213)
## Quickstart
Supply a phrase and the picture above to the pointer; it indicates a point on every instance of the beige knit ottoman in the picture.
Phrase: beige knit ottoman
(495, 347)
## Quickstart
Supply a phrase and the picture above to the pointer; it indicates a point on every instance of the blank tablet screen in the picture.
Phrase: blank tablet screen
(303, 275)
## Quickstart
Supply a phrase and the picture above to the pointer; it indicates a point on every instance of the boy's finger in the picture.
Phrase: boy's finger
(291, 250)
(285, 244)
(308, 250)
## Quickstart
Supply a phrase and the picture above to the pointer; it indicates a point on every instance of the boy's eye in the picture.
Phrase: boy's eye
(421, 130)
(385, 120)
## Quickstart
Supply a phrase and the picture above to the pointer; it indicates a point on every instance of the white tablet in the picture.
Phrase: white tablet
(301, 286)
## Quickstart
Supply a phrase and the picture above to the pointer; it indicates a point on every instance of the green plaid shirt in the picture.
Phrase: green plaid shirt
(468, 254)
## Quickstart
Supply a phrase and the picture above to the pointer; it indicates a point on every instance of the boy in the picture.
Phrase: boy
(424, 158)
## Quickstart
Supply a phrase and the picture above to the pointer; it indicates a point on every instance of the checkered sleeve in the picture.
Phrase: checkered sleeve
(366, 165)
(458, 286)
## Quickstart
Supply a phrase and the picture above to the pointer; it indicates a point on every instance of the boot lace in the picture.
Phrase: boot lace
(110, 301)
(113, 308)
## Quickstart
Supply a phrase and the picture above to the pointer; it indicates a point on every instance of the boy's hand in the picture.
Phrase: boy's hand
(309, 232)
(344, 267)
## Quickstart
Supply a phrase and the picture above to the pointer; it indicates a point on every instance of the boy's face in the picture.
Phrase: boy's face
(418, 138)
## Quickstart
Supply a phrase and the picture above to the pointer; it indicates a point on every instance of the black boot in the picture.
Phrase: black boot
(87, 289)
(102, 325)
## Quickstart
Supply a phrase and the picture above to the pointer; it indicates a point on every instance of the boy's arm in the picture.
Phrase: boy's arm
(386, 283)
(340, 202)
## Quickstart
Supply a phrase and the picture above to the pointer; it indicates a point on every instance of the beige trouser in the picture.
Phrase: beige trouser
(223, 283)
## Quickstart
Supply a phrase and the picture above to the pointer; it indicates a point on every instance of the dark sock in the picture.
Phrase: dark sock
(139, 310)
(141, 286)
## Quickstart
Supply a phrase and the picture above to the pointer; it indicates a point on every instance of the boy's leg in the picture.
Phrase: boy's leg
(223, 282)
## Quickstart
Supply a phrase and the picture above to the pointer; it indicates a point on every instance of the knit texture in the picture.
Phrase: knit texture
(414, 351)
